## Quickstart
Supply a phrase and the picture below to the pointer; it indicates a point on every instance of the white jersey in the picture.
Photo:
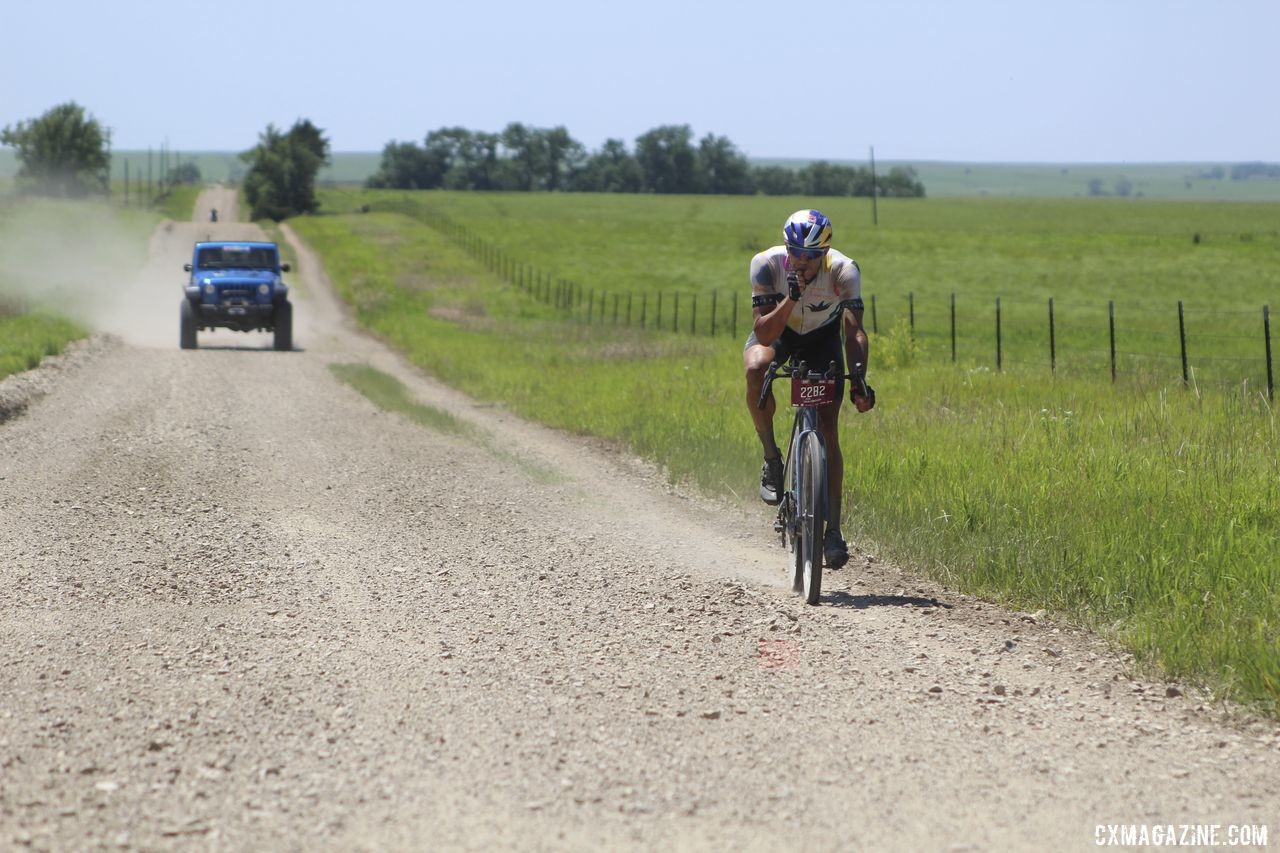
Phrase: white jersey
(837, 286)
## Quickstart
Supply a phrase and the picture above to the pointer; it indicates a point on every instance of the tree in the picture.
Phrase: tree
(610, 170)
(724, 170)
(63, 152)
(564, 153)
(476, 165)
(281, 181)
(184, 173)
(823, 178)
(901, 182)
(668, 159)
(776, 180)
(407, 166)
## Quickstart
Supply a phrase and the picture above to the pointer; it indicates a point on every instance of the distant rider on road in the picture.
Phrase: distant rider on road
(803, 295)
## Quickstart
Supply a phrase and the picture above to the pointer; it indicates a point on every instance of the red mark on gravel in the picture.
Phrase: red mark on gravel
(778, 654)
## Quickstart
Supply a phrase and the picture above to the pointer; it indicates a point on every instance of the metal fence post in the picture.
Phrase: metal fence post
(1053, 349)
(1266, 333)
(911, 312)
(1111, 323)
(1182, 341)
(953, 328)
(999, 353)
(875, 327)
(713, 312)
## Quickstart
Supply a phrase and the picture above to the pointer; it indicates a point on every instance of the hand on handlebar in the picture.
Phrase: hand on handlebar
(862, 395)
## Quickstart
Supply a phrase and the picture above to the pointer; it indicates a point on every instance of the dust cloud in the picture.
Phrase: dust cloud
(96, 265)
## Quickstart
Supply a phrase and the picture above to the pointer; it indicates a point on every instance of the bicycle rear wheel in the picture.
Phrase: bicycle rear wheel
(810, 520)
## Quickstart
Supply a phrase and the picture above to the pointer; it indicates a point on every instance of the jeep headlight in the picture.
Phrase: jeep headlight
(264, 289)
(208, 289)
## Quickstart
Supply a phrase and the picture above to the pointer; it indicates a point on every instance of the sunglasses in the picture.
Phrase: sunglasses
(808, 254)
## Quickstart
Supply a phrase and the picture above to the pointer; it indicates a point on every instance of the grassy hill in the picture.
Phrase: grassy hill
(1177, 181)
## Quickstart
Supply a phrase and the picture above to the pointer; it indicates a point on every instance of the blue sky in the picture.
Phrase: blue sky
(984, 81)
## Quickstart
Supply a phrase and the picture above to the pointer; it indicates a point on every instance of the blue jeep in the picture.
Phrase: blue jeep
(236, 285)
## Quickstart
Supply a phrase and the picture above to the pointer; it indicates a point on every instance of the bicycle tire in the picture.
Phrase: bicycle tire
(810, 514)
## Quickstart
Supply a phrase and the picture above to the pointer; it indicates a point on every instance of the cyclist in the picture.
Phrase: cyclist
(804, 294)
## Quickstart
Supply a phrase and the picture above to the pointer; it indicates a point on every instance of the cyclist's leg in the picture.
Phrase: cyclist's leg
(828, 425)
(756, 359)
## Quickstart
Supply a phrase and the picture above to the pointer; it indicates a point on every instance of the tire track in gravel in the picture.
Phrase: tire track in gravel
(241, 607)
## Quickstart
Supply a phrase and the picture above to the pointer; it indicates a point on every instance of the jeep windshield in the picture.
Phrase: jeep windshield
(236, 257)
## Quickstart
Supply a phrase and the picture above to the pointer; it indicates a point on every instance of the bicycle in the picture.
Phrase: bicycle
(802, 510)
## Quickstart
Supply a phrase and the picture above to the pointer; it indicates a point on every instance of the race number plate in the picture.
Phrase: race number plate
(810, 393)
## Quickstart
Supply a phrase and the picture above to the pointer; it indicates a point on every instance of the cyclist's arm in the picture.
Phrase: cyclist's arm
(856, 346)
(770, 305)
(770, 321)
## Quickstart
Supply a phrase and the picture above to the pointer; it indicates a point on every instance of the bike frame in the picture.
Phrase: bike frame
(804, 423)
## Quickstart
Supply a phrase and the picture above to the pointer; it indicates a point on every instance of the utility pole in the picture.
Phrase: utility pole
(875, 190)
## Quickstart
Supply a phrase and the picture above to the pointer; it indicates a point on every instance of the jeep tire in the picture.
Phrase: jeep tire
(284, 326)
(187, 326)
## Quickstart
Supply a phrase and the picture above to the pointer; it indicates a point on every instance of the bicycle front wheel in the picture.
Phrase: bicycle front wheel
(811, 515)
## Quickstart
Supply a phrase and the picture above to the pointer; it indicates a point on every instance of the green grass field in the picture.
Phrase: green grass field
(1219, 259)
(26, 338)
(1149, 512)
(179, 203)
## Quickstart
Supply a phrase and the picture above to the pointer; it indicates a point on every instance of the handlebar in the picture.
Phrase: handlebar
(858, 376)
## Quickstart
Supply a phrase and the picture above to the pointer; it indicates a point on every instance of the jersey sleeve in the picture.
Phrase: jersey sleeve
(765, 287)
(848, 285)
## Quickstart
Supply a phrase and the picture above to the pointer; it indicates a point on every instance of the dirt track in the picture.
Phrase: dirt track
(242, 608)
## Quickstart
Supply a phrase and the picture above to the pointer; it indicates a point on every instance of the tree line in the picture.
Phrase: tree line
(67, 152)
(666, 159)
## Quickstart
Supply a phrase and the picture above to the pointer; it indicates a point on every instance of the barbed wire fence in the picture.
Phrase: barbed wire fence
(1159, 340)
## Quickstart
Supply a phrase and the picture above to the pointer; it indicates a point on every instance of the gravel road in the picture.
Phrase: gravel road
(242, 608)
